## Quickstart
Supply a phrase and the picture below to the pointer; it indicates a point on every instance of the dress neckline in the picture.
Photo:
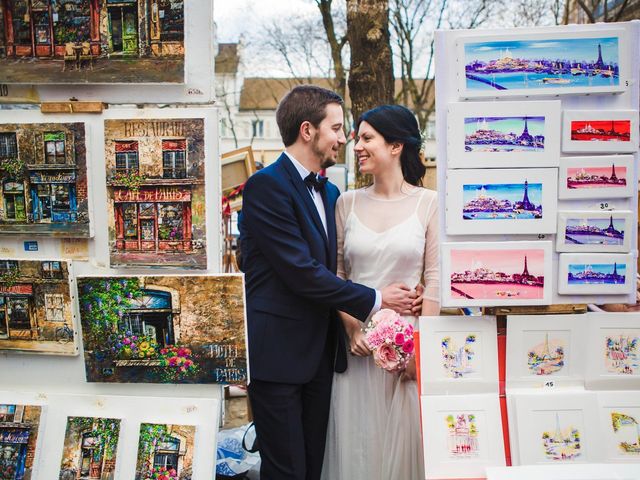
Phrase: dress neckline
(416, 191)
(406, 220)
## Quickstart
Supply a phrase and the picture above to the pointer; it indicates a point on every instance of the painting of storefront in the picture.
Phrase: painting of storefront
(35, 307)
(155, 178)
(43, 180)
(165, 451)
(164, 329)
(18, 437)
(102, 31)
(90, 447)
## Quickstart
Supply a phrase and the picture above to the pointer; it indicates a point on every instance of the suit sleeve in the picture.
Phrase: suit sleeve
(270, 219)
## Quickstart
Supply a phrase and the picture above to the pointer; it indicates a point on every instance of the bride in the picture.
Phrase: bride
(387, 232)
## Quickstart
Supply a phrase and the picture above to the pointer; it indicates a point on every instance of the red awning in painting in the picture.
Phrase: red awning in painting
(174, 145)
(126, 146)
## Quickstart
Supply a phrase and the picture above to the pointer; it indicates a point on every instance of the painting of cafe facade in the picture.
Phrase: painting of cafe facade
(18, 437)
(43, 180)
(35, 307)
(155, 178)
(111, 30)
(164, 329)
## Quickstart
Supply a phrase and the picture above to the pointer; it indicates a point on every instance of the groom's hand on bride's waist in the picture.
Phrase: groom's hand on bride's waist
(399, 297)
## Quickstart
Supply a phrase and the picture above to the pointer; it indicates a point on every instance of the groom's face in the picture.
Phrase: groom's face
(329, 137)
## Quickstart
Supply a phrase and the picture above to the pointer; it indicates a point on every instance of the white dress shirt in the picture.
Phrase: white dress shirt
(317, 200)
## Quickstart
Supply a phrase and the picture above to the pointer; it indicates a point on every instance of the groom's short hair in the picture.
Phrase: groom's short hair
(303, 103)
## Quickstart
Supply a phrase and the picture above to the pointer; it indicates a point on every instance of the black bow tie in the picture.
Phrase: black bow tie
(314, 181)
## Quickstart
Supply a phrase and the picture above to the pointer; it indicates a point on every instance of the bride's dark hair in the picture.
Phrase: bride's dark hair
(398, 125)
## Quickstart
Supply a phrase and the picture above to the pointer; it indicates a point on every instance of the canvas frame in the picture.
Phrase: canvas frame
(562, 34)
(458, 157)
(520, 329)
(567, 407)
(602, 161)
(563, 216)
(567, 259)
(438, 461)
(61, 342)
(435, 380)
(236, 167)
(597, 375)
(581, 146)
(449, 301)
(623, 402)
(456, 179)
(204, 413)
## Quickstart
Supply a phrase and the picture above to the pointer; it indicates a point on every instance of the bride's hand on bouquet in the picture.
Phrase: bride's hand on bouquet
(410, 372)
(358, 345)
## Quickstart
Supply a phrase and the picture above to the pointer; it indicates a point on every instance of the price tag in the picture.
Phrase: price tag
(190, 409)
(549, 384)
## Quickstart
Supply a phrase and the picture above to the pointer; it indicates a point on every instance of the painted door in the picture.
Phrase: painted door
(42, 33)
(129, 31)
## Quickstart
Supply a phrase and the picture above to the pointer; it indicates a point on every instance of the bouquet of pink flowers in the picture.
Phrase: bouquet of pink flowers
(390, 337)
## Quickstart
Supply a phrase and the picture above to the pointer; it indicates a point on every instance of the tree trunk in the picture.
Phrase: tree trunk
(371, 72)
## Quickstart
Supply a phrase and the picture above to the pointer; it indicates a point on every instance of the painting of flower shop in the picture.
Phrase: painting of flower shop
(165, 452)
(99, 41)
(18, 435)
(164, 329)
(43, 180)
(90, 447)
(35, 307)
(155, 178)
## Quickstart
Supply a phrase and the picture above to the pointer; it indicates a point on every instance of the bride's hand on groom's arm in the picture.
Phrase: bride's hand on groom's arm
(399, 297)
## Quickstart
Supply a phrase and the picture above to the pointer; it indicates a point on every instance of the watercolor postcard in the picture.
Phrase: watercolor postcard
(557, 428)
(596, 273)
(90, 448)
(604, 131)
(614, 343)
(156, 192)
(19, 428)
(43, 180)
(545, 348)
(501, 201)
(458, 355)
(504, 134)
(496, 273)
(462, 435)
(594, 231)
(165, 451)
(36, 310)
(543, 64)
(605, 176)
(164, 329)
(87, 41)
(620, 424)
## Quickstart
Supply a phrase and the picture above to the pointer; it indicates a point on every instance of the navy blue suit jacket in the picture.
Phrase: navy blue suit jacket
(290, 263)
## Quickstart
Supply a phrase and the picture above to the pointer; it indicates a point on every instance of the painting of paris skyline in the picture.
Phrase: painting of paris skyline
(502, 201)
(595, 231)
(596, 177)
(602, 176)
(599, 273)
(601, 130)
(582, 62)
(504, 134)
(496, 273)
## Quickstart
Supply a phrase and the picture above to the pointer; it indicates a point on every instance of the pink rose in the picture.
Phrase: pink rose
(408, 347)
(399, 339)
(384, 315)
(386, 358)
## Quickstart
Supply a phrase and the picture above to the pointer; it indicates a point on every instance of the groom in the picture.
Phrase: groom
(288, 245)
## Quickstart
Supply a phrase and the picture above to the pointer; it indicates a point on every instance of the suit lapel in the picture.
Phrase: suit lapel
(304, 194)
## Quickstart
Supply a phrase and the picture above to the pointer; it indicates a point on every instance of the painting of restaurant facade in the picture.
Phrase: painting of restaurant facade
(155, 178)
(103, 32)
(164, 329)
(18, 436)
(35, 307)
(43, 180)
(165, 451)
(90, 448)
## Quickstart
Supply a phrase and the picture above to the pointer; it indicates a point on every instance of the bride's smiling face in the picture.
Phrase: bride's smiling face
(373, 153)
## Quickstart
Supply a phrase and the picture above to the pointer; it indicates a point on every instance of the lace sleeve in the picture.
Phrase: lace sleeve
(431, 274)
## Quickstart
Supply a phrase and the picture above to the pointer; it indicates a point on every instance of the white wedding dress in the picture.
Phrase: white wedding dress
(374, 425)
